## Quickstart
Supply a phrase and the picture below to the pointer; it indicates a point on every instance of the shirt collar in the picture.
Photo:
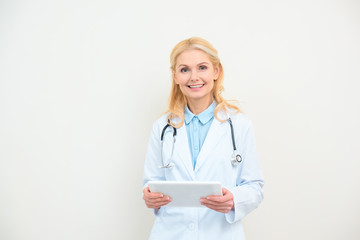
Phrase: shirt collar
(204, 116)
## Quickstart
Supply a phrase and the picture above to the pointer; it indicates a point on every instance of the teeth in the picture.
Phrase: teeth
(196, 86)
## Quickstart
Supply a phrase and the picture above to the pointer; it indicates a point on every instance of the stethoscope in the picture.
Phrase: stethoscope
(235, 157)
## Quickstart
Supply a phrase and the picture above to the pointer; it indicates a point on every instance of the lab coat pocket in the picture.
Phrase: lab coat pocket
(173, 213)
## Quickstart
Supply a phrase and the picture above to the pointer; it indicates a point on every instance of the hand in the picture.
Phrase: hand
(155, 200)
(221, 204)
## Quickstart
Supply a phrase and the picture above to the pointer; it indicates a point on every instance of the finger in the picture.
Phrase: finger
(156, 200)
(219, 209)
(219, 199)
(162, 199)
(225, 206)
(217, 205)
(147, 192)
(227, 195)
(157, 204)
(154, 195)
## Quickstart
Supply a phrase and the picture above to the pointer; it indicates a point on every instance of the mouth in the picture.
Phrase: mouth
(196, 86)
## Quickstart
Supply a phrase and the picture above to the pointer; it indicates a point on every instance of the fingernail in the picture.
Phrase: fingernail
(167, 198)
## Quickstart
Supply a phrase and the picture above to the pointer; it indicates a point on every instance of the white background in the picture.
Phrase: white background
(81, 83)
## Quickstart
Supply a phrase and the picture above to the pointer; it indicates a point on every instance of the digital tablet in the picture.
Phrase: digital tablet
(185, 194)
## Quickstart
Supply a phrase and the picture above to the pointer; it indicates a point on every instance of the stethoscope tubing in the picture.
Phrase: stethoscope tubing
(232, 134)
(164, 129)
(236, 157)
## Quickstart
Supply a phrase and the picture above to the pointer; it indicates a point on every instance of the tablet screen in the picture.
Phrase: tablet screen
(187, 193)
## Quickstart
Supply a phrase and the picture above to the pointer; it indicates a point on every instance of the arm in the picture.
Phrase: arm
(248, 192)
(237, 202)
(152, 172)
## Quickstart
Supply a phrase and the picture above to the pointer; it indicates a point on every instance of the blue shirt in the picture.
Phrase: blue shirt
(197, 127)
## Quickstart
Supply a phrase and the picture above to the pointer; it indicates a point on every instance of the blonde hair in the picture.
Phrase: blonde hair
(177, 100)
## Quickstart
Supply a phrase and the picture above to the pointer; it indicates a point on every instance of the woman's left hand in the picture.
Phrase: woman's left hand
(221, 204)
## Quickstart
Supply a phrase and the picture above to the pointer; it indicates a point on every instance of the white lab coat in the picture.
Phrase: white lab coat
(245, 181)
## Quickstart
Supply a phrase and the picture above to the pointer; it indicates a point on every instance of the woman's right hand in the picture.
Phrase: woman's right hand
(155, 200)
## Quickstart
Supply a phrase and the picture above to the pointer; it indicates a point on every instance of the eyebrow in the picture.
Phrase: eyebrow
(202, 63)
(182, 65)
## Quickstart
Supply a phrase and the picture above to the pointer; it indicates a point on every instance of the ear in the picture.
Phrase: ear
(216, 72)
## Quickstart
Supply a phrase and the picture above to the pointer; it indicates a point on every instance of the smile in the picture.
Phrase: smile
(196, 86)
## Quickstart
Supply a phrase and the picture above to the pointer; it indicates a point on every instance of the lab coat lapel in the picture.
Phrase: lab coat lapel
(183, 150)
(216, 131)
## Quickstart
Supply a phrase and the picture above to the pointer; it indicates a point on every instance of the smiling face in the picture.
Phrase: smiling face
(195, 75)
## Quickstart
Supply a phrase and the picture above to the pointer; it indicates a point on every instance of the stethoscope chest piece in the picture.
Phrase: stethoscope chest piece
(236, 159)
(169, 165)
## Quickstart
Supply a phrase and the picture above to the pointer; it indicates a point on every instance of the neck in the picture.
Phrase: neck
(198, 106)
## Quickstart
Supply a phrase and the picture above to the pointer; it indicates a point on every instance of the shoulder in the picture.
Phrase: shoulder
(160, 122)
(237, 118)
(240, 117)
(240, 120)
(157, 126)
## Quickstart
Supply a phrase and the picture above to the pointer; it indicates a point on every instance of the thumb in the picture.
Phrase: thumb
(146, 190)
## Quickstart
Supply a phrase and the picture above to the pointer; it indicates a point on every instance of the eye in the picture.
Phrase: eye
(202, 67)
(184, 70)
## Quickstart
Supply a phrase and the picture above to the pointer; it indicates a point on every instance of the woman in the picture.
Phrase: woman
(202, 151)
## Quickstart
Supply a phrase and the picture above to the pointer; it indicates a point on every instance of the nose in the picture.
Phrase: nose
(194, 76)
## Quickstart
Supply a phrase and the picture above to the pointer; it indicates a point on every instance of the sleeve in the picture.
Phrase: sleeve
(248, 192)
(152, 172)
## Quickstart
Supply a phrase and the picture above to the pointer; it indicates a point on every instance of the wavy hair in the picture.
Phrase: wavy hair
(177, 100)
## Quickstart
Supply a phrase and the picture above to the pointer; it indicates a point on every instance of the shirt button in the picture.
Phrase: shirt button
(196, 147)
(192, 226)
